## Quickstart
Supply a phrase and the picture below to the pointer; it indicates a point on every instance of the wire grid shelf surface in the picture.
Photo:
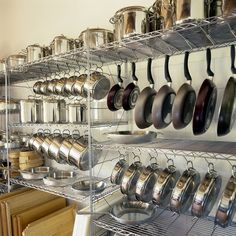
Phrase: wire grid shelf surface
(66, 191)
(166, 224)
(3, 188)
(197, 35)
(204, 149)
(95, 124)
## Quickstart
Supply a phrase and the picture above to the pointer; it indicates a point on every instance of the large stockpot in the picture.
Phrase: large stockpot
(77, 113)
(68, 85)
(16, 60)
(54, 111)
(77, 88)
(61, 44)
(166, 10)
(35, 52)
(133, 20)
(30, 110)
(193, 10)
(95, 37)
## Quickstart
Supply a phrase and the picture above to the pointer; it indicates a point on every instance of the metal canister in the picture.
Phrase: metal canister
(54, 111)
(30, 111)
(77, 113)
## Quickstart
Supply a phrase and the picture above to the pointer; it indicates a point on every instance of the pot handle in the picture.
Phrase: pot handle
(208, 58)
(167, 73)
(232, 54)
(120, 80)
(186, 69)
(134, 77)
(149, 72)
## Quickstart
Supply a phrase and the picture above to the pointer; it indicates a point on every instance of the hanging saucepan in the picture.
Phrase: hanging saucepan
(131, 92)
(184, 102)
(206, 101)
(114, 97)
(163, 101)
(228, 110)
(143, 108)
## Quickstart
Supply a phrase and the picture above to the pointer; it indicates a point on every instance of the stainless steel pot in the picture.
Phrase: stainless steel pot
(54, 111)
(118, 171)
(50, 89)
(194, 10)
(133, 20)
(97, 84)
(59, 87)
(47, 141)
(30, 111)
(68, 85)
(61, 44)
(77, 113)
(43, 88)
(79, 154)
(34, 52)
(2, 65)
(130, 178)
(77, 88)
(65, 147)
(36, 87)
(145, 183)
(16, 60)
(95, 37)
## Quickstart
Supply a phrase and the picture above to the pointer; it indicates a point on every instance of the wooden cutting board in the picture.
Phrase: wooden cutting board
(35, 213)
(22, 202)
(4, 197)
(59, 223)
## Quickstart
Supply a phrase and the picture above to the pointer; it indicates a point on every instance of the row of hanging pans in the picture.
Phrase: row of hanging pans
(160, 108)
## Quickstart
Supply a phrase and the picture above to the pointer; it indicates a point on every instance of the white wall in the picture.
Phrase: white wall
(27, 22)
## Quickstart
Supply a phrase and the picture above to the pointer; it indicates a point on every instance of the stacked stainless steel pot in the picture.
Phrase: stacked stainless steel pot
(65, 148)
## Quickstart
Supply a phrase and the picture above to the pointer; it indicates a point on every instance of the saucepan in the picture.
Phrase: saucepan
(97, 84)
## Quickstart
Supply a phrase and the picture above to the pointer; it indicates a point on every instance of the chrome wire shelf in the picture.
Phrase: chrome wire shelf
(192, 36)
(95, 124)
(67, 191)
(174, 147)
(3, 188)
(166, 224)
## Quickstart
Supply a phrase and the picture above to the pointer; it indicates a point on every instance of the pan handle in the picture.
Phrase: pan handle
(186, 69)
(120, 80)
(149, 72)
(232, 54)
(133, 72)
(208, 58)
(167, 73)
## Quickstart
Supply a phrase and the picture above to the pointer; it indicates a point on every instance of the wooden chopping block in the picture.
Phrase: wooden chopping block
(59, 223)
(24, 218)
(22, 202)
(30, 164)
(4, 196)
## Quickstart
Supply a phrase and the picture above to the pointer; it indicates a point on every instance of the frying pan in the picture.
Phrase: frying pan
(131, 92)
(114, 97)
(184, 102)
(206, 101)
(163, 101)
(143, 108)
(227, 110)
